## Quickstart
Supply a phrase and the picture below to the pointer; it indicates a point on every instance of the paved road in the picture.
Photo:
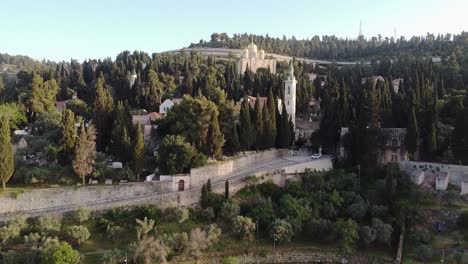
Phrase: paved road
(263, 166)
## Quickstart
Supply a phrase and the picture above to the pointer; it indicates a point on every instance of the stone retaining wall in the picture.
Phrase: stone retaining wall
(432, 170)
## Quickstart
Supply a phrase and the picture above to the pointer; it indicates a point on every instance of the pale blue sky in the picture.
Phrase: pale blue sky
(64, 29)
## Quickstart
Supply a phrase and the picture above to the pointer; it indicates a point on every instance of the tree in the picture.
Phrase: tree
(102, 116)
(144, 227)
(121, 132)
(177, 156)
(6, 152)
(258, 124)
(244, 227)
(69, 135)
(149, 250)
(226, 189)
(79, 233)
(138, 152)
(246, 130)
(460, 136)
(412, 134)
(214, 138)
(15, 114)
(59, 253)
(270, 125)
(284, 135)
(281, 230)
(383, 231)
(347, 232)
(85, 152)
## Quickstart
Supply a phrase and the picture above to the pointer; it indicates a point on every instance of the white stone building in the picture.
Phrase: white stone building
(254, 59)
(168, 104)
(290, 94)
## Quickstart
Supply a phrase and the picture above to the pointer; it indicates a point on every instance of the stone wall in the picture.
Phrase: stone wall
(221, 169)
(432, 170)
(46, 198)
(319, 165)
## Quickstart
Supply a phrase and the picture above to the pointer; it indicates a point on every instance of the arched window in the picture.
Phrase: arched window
(288, 102)
(289, 89)
(181, 185)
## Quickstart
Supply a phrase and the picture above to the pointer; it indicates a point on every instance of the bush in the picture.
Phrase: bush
(230, 210)
(213, 233)
(367, 235)
(419, 237)
(113, 256)
(79, 233)
(174, 214)
(177, 241)
(423, 252)
(59, 252)
(320, 230)
(207, 213)
(244, 227)
(13, 229)
(281, 230)
(49, 223)
(112, 231)
(463, 219)
(383, 231)
(230, 260)
(81, 215)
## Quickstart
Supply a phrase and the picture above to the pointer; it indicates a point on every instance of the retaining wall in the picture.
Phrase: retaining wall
(432, 170)
(221, 169)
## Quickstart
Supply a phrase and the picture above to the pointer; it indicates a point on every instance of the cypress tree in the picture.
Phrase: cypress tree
(235, 144)
(69, 135)
(102, 118)
(272, 109)
(285, 130)
(138, 152)
(412, 133)
(226, 190)
(120, 134)
(258, 124)
(214, 138)
(246, 129)
(85, 152)
(204, 197)
(6, 152)
(208, 186)
(268, 138)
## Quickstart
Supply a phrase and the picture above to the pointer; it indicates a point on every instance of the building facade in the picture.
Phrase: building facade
(254, 59)
(290, 94)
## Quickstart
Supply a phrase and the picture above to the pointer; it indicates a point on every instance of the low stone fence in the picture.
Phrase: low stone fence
(432, 170)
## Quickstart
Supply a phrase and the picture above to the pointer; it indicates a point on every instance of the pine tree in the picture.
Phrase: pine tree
(85, 152)
(258, 124)
(460, 136)
(138, 152)
(214, 138)
(69, 135)
(226, 190)
(246, 130)
(6, 152)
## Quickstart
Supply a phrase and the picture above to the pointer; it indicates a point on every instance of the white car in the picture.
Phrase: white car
(316, 156)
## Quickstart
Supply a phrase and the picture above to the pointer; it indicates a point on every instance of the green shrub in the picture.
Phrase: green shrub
(423, 252)
(230, 260)
(81, 214)
(463, 219)
(79, 233)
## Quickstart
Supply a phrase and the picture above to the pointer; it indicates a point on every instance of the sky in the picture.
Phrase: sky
(61, 30)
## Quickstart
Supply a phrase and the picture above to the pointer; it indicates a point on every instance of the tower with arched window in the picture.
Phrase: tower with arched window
(290, 93)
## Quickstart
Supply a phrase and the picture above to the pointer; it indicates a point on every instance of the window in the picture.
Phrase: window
(288, 102)
(289, 90)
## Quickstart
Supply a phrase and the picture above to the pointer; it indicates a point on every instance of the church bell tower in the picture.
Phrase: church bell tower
(290, 93)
